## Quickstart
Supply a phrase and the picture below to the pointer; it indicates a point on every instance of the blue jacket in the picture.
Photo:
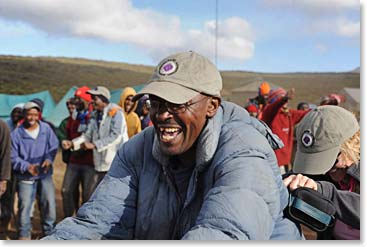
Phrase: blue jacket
(235, 190)
(26, 150)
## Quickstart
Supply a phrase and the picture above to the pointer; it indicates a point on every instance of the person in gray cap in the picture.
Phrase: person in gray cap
(33, 150)
(105, 133)
(204, 171)
(328, 142)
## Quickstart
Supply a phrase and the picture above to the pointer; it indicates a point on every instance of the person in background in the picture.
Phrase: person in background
(80, 165)
(329, 143)
(105, 134)
(16, 116)
(132, 119)
(252, 110)
(34, 147)
(41, 105)
(261, 99)
(5, 177)
(332, 99)
(142, 110)
(204, 172)
(282, 121)
(304, 106)
(84, 107)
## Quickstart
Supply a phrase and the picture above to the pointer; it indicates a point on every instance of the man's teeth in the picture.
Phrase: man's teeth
(169, 130)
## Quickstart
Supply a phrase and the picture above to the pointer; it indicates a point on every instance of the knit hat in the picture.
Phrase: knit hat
(19, 105)
(251, 108)
(30, 105)
(264, 88)
(82, 93)
(180, 77)
(275, 93)
(320, 135)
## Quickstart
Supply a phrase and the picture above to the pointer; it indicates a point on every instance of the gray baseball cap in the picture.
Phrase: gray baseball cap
(180, 77)
(100, 91)
(320, 135)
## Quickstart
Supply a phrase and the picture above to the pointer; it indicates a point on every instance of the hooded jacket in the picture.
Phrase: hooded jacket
(132, 119)
(235, 190)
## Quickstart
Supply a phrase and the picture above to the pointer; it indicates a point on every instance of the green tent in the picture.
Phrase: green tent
(7, 102)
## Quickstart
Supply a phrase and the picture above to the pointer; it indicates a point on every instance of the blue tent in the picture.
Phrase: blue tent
(7, 102)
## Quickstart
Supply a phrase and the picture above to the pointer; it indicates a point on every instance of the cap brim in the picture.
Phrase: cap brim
(93, 92)
(315, 163)
(168, 91)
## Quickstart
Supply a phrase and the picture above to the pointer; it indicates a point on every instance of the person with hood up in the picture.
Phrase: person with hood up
(129, 106)
(16, 116)
(205, 171)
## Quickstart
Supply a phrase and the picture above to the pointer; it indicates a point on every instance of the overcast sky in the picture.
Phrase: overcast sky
(259, 35)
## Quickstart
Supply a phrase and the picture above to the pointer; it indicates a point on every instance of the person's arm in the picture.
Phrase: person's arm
(110, 212)
(52, 146)
(271, 110)
(18, 164)
(297, 115)
(61, 130)
(5, 150)
(243, 203)
(114, 136)
(347, 203)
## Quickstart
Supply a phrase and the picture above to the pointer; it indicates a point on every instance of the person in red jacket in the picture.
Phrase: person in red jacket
(282, 120)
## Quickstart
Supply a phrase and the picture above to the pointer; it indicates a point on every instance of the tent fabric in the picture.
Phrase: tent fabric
(7, 102)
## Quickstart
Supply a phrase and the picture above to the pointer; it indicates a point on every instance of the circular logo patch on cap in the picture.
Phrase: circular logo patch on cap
(168, 68)
(307, 139)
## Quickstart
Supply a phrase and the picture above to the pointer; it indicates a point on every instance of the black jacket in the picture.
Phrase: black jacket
(347, 203)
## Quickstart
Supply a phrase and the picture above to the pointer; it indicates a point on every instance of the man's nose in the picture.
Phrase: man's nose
(162, 113)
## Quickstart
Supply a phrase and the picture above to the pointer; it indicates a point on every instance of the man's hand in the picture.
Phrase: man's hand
(33, 169)
(88, 145)
(46, 165)
(66, 144)
(3, 184)
(296, 181)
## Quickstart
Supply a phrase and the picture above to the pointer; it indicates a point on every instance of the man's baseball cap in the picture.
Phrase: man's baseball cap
(320, 135)
(100, 91)
(30, 105)
(180, 77)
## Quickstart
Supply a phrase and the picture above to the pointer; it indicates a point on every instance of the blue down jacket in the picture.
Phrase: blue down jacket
(235, 190)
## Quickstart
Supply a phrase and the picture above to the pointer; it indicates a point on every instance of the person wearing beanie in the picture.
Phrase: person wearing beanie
(282, 121)
(252, 110)
(80, 164)
(205, 170)
(261, 99)
(142, 110)
(84, 107)
(132, 119)
(328, 143)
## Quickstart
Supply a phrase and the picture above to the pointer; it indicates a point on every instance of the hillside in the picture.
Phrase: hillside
(22, 75)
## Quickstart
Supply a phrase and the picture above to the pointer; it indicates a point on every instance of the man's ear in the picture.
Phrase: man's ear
(213, 106)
